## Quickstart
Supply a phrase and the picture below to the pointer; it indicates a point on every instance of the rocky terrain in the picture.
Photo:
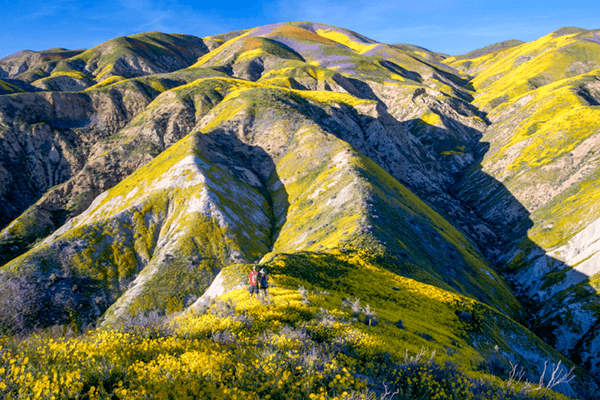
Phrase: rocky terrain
(133, 173)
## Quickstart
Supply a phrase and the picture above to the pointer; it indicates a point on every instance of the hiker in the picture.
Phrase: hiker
(263, 278)
(253, 279)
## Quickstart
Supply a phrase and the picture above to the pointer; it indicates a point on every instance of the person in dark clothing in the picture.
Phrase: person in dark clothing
(253, 279)
(263, 279)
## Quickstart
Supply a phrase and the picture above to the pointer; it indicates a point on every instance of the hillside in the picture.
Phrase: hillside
(417, 201)
(542, 148)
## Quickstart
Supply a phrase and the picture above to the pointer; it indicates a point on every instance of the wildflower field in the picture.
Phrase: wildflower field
(299, 342)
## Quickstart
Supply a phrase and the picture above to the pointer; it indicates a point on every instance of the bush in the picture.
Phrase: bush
(243, 348)
(400, 324)
(18, 306)
(364, 314)
(151, 324)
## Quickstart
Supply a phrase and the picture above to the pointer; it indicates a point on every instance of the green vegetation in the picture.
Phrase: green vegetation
(496, 47)
(354, 171)
(305, 344)
(244, 48)
(113, 60)
(8, 88)
(568, 212)
(543, 61)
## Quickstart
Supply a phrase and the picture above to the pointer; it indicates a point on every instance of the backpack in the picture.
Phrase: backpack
(263, 280)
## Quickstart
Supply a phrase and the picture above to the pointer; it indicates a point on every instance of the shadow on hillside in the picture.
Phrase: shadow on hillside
(485, 200)
(33, 143)
(486, 205)
(403, 72)
(392, 225)
(511, 250)
(46, 289)
(356, 87)
(45, 142)
(462, 139)
(234, 154)
(514, 252)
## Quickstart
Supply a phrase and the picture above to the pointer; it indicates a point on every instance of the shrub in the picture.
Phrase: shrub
(400, 324)
(245, 349)
(364, 314)
(151, 324)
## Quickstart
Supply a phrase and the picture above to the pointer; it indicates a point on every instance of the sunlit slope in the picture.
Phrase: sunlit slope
(422, 96)
(335, 161)
(309, 188)
(564, 281)
(350, 202)
(94, 142)
(249, 184)
(430, 316)
(326, 194)
(123, 57)
(512, 72)
(51, 138)
(211, 352)
(478, 60)
(542, 146)
(563, 284)
(18, 63)
(295, 55)
(283, 59)
(283, 50)
(334, 194)
(153, 240)
(542, 150)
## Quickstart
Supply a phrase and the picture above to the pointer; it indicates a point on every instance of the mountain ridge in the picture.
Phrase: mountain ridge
(304, 142)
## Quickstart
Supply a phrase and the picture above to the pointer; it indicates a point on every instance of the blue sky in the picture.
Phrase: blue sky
(447, 26)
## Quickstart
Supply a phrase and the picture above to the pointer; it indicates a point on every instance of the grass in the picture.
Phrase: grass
(496, 47)
(569, 212)
(128, 243)
(348, 229)
(148, 47)
(293, 344)
(8, 88)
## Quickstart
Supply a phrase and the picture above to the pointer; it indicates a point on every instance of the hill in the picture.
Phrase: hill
(395, 201)
(542, 149)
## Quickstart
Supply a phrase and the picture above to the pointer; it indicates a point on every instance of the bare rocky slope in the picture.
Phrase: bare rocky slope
(132, 173)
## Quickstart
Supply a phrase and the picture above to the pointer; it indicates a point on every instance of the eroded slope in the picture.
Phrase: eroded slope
(542, 149)
(299, 141)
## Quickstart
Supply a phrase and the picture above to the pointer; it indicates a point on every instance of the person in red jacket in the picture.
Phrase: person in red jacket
(253, 279)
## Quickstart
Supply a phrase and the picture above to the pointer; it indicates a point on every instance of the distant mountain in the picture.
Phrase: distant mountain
(18, 63)
(134, 173)
(118, 59)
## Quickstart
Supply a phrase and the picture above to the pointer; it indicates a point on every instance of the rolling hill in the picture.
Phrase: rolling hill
(453, 198)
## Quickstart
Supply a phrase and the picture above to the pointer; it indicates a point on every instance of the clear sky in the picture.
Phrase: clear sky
(447, 26)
